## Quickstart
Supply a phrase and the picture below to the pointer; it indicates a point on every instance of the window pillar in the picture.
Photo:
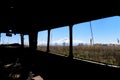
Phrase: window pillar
(71, 42)
(48, 41)
(33, 40)
(22, 40)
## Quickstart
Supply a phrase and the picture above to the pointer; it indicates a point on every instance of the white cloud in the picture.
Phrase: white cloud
(77, 41)
(61, 41)
(42, 42)
(65, 40)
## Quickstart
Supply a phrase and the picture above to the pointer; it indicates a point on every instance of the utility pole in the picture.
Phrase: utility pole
(92, 38)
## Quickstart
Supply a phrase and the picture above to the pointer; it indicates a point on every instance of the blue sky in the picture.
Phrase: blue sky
(106, 30)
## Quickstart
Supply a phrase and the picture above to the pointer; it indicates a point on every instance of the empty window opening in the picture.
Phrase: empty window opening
(26, 41)
(106, 35)
(10, 39)
(14, 38)
(59, 41)
(42, 40)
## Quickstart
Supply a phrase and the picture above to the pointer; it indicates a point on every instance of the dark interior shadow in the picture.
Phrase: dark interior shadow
(51, 66)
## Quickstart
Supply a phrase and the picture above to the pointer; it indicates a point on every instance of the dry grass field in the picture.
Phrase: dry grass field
(105, 54)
